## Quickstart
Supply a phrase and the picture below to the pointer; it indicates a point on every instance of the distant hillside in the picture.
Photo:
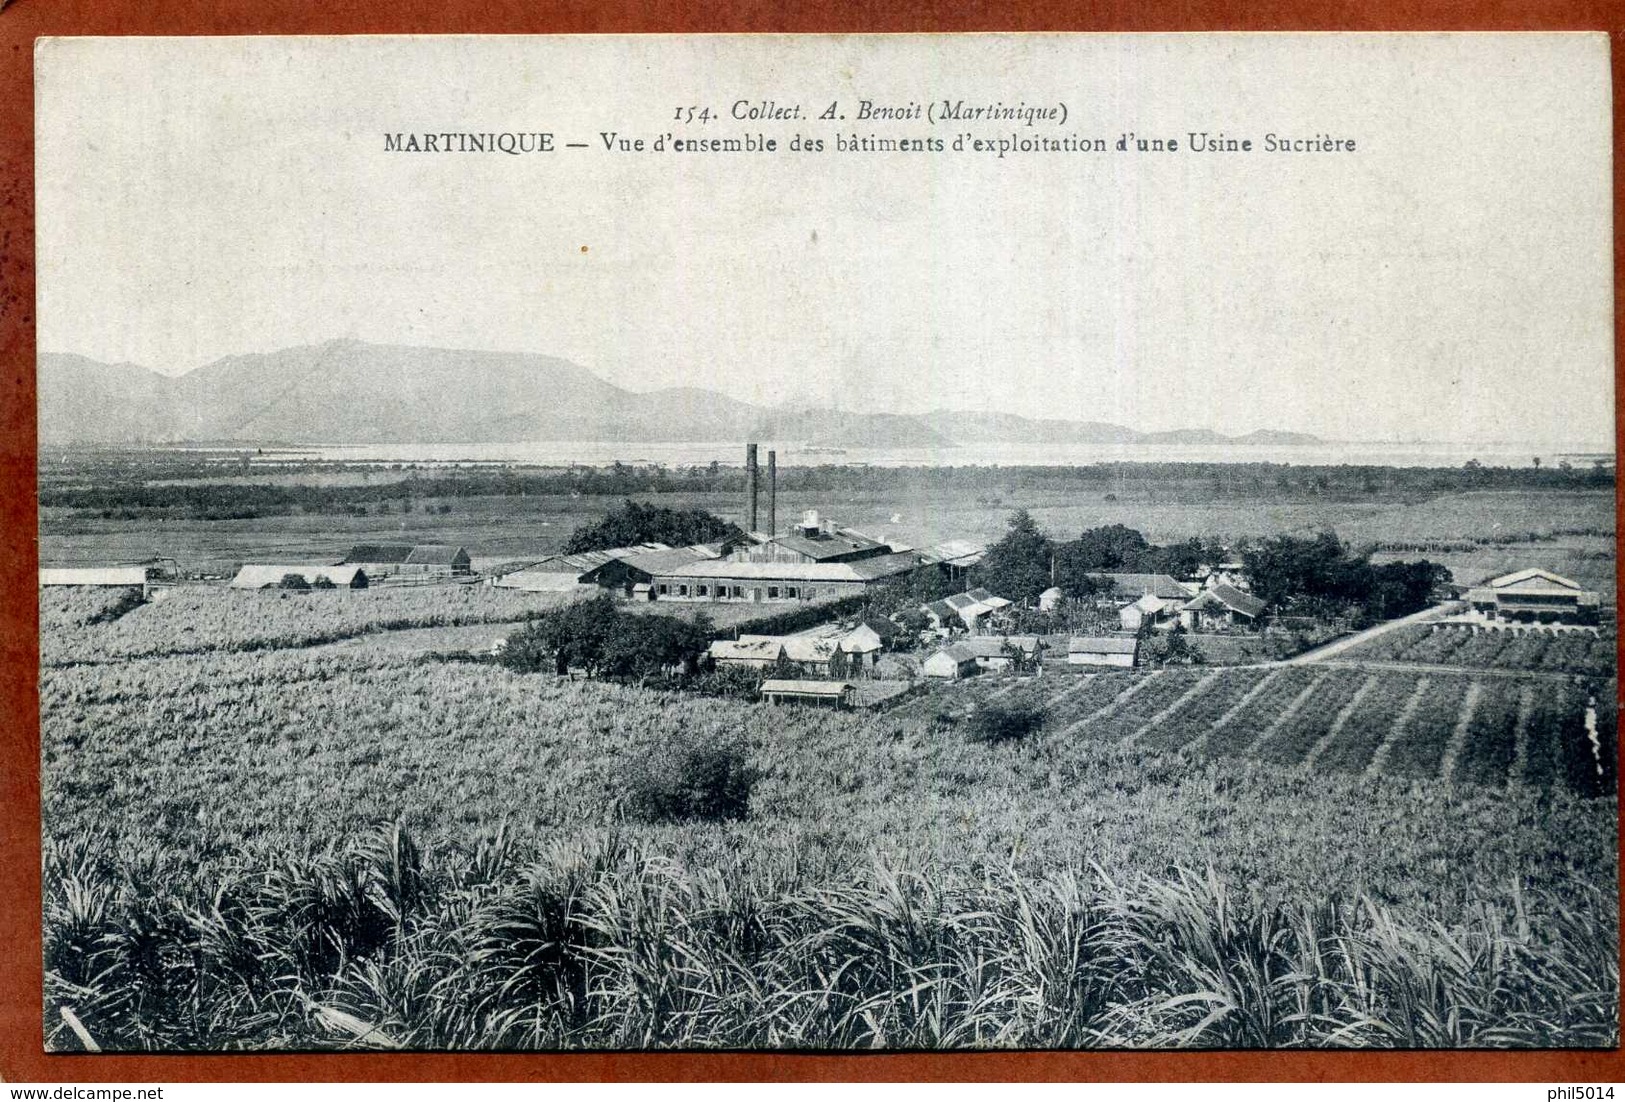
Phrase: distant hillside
(351, 392)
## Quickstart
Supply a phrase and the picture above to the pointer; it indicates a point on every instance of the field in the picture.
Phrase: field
(291, 821)
(228, 812)
(1567, 531)
(1592, 653)
(1330, 718)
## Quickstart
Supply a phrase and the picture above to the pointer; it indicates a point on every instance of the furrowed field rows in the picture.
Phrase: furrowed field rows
(1159, 693)
(1197, 715)
(1299, 732)
(1242, 731)
(1504, 648)
(1492, 734)
(200, 620)
(1417, 749)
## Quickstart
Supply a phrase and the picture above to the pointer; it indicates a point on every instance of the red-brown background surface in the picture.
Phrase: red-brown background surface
(22, 1058)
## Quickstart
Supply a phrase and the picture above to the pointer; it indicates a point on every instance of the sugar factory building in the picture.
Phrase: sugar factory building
(813, 559)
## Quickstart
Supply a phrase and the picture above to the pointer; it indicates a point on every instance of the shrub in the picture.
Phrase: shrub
(293, 581)
(691, 778)
(1004, 722)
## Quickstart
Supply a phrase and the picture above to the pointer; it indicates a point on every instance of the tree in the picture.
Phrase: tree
(632, 523)
(295, 582)
(1110, 549)
(993, 723)
(1017, 568)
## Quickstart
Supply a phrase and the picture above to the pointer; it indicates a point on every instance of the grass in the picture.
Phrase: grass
(603, 944)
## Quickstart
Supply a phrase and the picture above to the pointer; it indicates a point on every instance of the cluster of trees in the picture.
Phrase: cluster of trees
(1026, 562)
(600, 639)
(1320, 575)
(632, 523)
(1316, 575)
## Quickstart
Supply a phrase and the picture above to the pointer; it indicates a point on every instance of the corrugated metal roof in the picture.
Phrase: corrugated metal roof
(1533, 574)
(959, 654)
(93, 575)
(843, 541)
(884, 566)
(958, 552)
(667, 560)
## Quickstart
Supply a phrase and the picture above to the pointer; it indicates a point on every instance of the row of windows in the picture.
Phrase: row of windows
(774, 592)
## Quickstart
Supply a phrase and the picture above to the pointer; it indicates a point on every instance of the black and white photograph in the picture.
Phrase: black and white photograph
(827, 543)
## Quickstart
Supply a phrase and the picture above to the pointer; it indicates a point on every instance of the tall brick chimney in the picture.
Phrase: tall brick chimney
(750, 488)
(772, 492)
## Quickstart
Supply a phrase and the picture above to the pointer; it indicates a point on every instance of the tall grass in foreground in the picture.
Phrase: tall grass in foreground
(595, 945)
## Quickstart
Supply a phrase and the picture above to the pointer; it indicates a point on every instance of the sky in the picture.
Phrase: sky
(1448, 280)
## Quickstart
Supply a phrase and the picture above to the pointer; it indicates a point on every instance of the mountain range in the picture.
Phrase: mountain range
(352, 392)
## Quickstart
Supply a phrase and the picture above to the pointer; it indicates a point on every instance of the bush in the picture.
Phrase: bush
(691, 778)
(1003, 723)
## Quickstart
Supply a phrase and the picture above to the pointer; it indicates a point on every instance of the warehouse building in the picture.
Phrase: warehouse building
(732, 580)
(1535, 596)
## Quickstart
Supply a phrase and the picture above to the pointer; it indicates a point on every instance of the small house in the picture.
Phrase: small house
(1103, 650)
(999, 652)
(943, 616)
(1149, 609)
(951, 663)
(984, 597)
(1050, 599)
(864, 643)
(1220, 608)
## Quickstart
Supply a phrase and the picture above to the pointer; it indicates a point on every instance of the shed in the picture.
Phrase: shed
(952, 662)
(1103, 650)
(1050, 599)
(832, 694)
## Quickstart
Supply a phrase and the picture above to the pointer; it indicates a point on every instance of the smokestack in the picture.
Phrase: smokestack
(772, 492)
(750, 487)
